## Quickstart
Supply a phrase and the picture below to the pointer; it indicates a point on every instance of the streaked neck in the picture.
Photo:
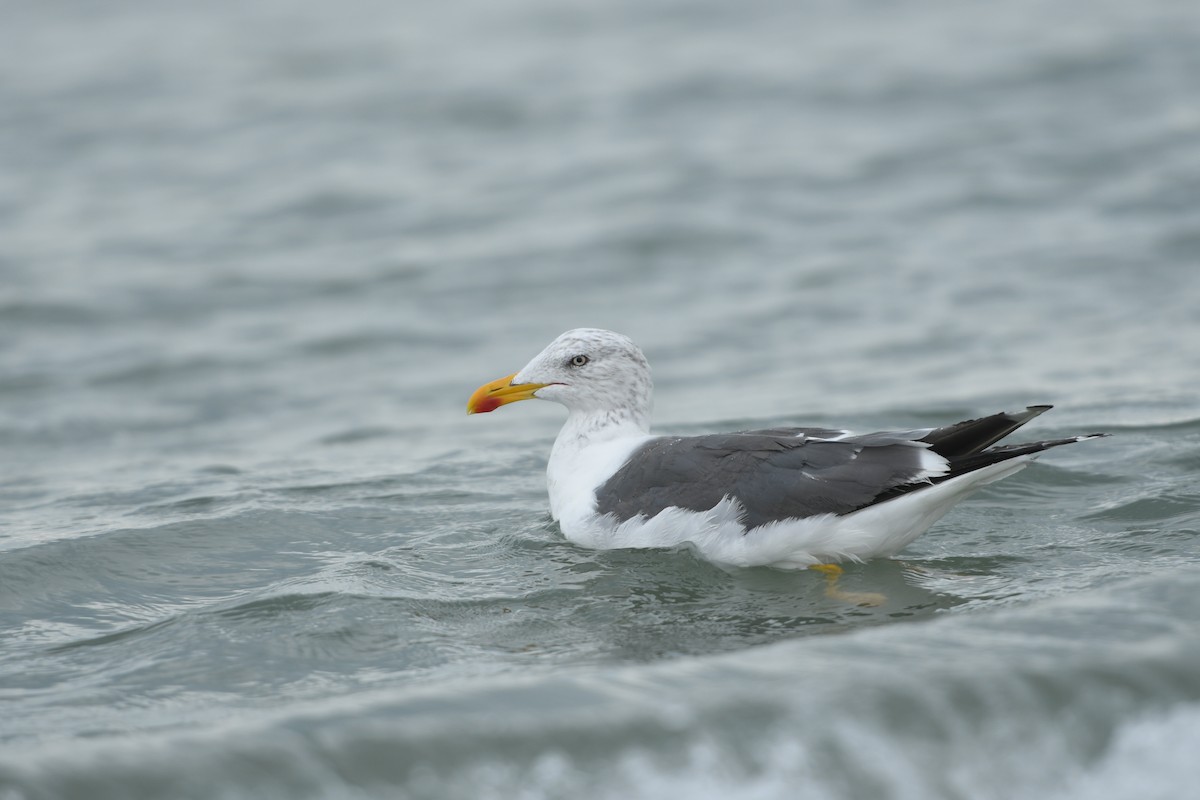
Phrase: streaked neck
(584, 428)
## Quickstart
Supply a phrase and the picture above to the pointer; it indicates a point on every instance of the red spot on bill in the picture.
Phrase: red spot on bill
(486, 404)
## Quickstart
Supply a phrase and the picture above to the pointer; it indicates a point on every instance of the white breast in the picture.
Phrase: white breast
(576, 469)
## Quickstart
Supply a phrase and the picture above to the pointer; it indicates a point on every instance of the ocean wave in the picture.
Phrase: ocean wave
(1057, 699)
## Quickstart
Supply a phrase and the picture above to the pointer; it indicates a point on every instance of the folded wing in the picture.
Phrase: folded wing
(790, 473)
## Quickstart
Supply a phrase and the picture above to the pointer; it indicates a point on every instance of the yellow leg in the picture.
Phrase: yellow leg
(832, 573)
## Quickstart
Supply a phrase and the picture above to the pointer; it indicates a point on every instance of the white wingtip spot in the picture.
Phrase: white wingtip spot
(933, 465)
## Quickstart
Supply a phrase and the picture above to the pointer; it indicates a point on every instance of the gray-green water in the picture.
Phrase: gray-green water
(254, 257)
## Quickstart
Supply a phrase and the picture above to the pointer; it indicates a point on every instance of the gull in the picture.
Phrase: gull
(788, 498)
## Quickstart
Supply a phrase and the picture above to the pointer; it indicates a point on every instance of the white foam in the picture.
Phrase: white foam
(1149, 758)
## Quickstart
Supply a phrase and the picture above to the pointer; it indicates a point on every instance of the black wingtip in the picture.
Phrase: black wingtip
(976, 435)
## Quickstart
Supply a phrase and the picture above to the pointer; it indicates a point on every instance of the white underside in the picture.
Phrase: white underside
(879, 530)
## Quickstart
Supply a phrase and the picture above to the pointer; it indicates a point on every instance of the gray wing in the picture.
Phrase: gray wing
(775, 474)
(812, 433)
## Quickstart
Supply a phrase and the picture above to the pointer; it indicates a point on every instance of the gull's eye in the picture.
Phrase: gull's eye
(578, 361)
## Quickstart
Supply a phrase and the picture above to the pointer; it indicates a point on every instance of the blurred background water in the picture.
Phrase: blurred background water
(255, 255)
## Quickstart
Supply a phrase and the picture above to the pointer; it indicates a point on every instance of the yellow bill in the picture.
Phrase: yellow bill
(500, 392)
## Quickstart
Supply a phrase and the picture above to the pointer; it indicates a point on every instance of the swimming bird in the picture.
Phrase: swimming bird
(781, 497)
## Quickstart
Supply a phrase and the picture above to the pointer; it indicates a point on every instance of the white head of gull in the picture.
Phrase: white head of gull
(782, 497)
